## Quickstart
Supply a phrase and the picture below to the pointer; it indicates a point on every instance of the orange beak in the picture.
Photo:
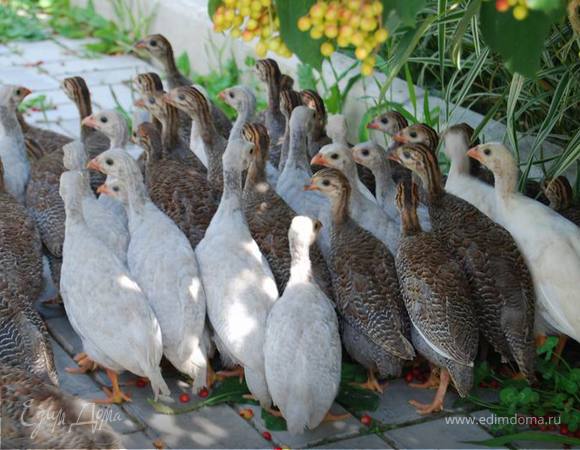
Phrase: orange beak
(103, 189)
(139, 103)
(89, 121)
(25, 91)
(319, 160)
(394, 157)
(167, 99)
(94, 165)
(372, 125)
(474, 153)
(400, 138)
(311, 187)
(141, 44)
(222, 95)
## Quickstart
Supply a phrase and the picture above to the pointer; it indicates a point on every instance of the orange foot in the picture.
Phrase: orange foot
(431, 383)
(114, 396)
(437, 404)
(335, 417)
(372, 384)
(52, 302)
(85, 364)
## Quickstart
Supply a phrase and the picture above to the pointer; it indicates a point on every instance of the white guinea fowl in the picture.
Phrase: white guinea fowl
(163, 263)
(365, 212)
(297, 174)
(459, 181)
(549, 242)
(13, 150)
(337, 129)
(239, 284)
(103, 221)
(105, 306)
(302, 340)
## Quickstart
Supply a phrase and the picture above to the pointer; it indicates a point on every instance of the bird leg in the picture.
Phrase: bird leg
(437, 404)
(372, 384)
(237, 372)
(541, 340)
(116, 395)
(85, 364)
(52, 302)
(431, 383)
(330, 417)
(562, 339)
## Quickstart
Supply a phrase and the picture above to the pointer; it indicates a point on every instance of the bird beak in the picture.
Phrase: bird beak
(103, 189)
(222, 95)
(311, 187)
(141, 44)
(139, 103)
(400, 138)
(89, 121)
(94, 165)
(319, 160)
(167, 99)
(474, 153)
(372, 126)
(25, 92)
(394, 157)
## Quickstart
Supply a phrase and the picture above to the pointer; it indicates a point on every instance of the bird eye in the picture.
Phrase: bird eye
(384, 120)
(325, 183)
(487, 152)
(406, 155)
(18, 92)
(109, 162)
(251, 151)
(365, 152)
(153, 43)
(317, 225)
(104, 119)
(181, 97)
(115, 188)
(231, 94)
(413, 134)
(151, 100)
(334, 156)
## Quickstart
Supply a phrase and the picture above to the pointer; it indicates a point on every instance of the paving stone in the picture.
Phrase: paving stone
(437, 434)
(104, 98)
(54, 97)
(362, 442)
(43, 51)
(10, 59)
(86, 65)
(64, 334)
(31, 78)
(70, 127)
(394, 407)
(330, 430)
(75, 384)
(57, 113)
(112, 76)
(138, 440)
(75, 45)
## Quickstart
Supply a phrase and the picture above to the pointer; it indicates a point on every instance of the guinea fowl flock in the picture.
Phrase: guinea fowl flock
(196, 235)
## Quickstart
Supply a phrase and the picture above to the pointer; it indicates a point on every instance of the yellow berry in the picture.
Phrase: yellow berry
(344, 15)
(368, 11)
(381, 35)
(520, 12)
(513, 2)
(304, 23)
(317, 10)
(261, 49)
(316, 32)
(236, 33)
(343, 41)
(266, 31)
(361, 53)
(354, 22)
(218, 19)
(331, 31)
(378, 8)
(274, 44)
(247, 35)
(357, 39)
(229, 2)
(353, 5)
(238, 20)
(368, 24)
(252, 24)
(345, 31)
(266, 3)
(366, 70)
(327, 49)
(245, 11)
(370, 60)
(229, 15)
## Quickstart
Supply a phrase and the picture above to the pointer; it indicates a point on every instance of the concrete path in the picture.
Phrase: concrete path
(41, 66)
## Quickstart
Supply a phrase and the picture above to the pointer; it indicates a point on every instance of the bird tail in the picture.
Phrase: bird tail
(297, 416)
(462, 377)
(196, 367)
(258, 386)
(158, 384)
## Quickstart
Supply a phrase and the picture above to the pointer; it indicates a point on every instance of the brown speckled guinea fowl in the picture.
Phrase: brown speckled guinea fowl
(438, 300)
(150, 83)
(269, 217)
(160, 48)
(561, 197)
(24, 338)
(37, 414)
(374, 322)
(500, 282)
(318, 138)
(289, 100)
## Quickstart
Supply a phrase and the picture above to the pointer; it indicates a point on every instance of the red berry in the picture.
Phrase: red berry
(277, 448)
(502, 5)
(247, 413)
(141, 383)
(409, 377)
(266, 435)
(564, 429)
(416, 371)
(482, 385)
(203, 393)
(494, 384)
(551, 427)
(366, 420)
(543, 428)
(184, 398)
(577, 434)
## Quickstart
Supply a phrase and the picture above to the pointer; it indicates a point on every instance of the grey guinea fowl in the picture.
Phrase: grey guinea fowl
(500, 281)
(160, 49)
(269, 217)
(437, 297)
(374, 323)
(561, 197)
(36, 414)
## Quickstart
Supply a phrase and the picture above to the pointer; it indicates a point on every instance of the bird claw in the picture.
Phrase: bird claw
(425, 409)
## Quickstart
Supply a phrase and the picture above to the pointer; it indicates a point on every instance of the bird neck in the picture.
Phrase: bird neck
(231, 201)
(301, 267)
(459, 163)
(169, 65)
(10, 129)
(256, 173)
(137, 197)
(384, 184)
(170, 128)
(85, 109)
(410, 222)
(339, 207)
(431, 180)
(506, 179)
(273, 95)
(297, 152)
(119, 138)
(245, 113)
(284, 150)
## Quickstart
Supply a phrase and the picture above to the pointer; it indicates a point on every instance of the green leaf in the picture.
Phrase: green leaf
(401, 11)
(183, 64)
(519, 42)
(548, 346)
(508, 395)
(272, 422)
(352, 373)
(212, 5)
(526, 436)
(305, 48)
(356, 399)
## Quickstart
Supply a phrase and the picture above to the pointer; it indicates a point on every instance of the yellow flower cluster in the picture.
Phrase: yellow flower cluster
(251, 19)
(519, 7)
(342, 23)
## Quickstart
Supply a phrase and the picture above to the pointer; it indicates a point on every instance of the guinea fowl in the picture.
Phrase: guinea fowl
(318, 138)
(24, 339)
(20, 248)
(150, 83)
(362, 205)
(269, 73)
(374, 324)
(289, 100)
(212, 145)
(302, 340)
(159, 48)
(561, 197)
(37, 414)
(500, 282)
(390, 123)
(163, 263)
(297, 173)
(179, 191)
(239, 285)
(269, 217)
(549, 242)
(104, 304)
(13, 153)
(374, 157)
(437, 297)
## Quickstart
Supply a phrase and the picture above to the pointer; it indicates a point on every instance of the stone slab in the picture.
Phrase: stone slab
(115, 76)
(63, 333)
(85, 65)
(138, 440)
(370, 441)
(70, 127)
(437, 434)
(32, 78)
(42, 51)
